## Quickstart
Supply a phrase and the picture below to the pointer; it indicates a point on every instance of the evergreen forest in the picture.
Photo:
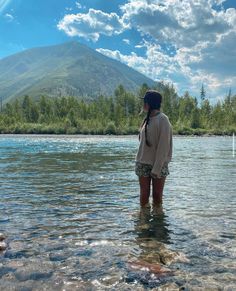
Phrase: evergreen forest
(119, 114)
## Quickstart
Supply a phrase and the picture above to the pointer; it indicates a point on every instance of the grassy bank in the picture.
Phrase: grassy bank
(35, 128)
(119, 115)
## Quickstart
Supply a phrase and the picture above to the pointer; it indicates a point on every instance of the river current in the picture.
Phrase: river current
(69, 208)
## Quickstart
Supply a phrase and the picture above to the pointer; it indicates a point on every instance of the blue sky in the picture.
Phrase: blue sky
(185, 42)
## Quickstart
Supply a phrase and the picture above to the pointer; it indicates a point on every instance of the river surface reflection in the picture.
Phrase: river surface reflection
(69, 209)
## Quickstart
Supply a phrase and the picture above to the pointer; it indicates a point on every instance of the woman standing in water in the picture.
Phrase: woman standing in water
(155, 150)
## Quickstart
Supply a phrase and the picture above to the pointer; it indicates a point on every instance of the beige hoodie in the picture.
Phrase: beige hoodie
(159, 133)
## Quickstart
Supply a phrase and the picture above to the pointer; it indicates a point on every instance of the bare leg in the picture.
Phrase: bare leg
(144, 183)
(157, 190)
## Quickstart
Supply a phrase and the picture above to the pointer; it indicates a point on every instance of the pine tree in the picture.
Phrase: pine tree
(203, 93)
(228, 97)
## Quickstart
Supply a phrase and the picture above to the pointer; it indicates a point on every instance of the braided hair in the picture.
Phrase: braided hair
(146, 121)
(153, 99)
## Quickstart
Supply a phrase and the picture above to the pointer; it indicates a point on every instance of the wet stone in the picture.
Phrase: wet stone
(126, 287)
(168, 287)
(16, 255)
(143, 278)
(167, 257)
(15, 264)
(38, 286)
(9, 283)
(5, 270)
(85, 253)
(155, 268)
(111, 280)
(3, 246)
(35, 271)
(80, 286)
(17, 245)
(8, 277)
(54, 247)
(57, 257)
(2, 236)
(13, 285)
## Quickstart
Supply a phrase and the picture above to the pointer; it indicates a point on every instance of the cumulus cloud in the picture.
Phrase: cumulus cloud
(187, 41)
(155, 64)
(217, 58)
(90, 25)
(180, 22)
(187, 69)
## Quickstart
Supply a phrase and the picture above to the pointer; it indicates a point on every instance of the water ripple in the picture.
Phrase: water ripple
(69, 208)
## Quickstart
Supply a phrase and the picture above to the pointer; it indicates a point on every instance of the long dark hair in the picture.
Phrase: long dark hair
(153, 99)
(146, 121)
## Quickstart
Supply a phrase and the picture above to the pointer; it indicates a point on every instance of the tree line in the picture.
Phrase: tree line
(118, 114)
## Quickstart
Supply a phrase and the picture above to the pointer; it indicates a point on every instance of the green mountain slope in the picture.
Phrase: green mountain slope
(67, 69)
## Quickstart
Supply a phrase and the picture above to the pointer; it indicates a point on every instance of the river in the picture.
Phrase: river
(70, 212)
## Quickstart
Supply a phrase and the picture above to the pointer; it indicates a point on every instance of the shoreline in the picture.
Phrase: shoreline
(100, 135)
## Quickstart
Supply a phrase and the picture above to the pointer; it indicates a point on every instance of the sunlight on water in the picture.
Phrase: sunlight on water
(69, 211)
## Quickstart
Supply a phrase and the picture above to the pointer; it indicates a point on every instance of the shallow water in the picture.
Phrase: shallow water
(70, 210)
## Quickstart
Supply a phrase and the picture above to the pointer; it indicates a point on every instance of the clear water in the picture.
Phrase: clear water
(70, 211)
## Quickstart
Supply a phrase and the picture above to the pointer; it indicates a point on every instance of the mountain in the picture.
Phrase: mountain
(66, 69)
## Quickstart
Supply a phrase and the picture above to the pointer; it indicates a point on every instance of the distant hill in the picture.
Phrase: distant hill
(66, 69)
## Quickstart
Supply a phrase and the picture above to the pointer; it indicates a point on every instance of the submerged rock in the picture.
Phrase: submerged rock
(3, 246)
(157, 252)
(155, 268)
(169, 287)
(2, 236)
(168, 257)
(34, 271)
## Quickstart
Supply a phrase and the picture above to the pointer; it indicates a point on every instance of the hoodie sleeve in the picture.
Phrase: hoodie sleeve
(163, 148)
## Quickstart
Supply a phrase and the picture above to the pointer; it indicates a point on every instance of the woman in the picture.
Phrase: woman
(155, 150)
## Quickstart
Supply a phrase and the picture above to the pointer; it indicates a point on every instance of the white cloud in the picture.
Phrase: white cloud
(217, 2)
(78, 5)
(159, 65)
(125, 40)
(9, 17)
(112, 54)
(69, 8)
(91, 25)
(204, 39)
(179, 22)
(139, 46)
(187, 41)
(218, 58)
(156, 64)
